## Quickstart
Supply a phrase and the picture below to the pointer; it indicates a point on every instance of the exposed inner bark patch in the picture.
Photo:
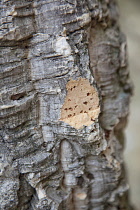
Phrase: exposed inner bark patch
(81, 106)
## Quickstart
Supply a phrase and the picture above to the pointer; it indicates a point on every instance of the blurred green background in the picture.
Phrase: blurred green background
(130, 25)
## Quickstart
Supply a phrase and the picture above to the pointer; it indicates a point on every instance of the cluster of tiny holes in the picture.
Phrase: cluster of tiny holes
(85, 103)
(81, 104)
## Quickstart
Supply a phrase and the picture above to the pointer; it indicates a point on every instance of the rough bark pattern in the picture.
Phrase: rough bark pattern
(46, 163)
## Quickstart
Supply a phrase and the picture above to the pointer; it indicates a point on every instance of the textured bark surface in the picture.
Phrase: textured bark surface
(45, 162)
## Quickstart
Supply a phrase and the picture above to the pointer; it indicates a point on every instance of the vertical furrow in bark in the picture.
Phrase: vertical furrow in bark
(73, 177)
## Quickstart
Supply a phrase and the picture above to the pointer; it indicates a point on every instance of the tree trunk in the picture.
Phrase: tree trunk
(65, 94)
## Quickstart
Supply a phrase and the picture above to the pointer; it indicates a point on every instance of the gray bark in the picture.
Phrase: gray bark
(47, 160)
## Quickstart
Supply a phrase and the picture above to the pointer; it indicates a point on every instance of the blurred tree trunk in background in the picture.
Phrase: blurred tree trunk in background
(130, 16)
(45, 162)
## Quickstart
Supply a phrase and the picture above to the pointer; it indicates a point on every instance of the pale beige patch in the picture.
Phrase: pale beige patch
(81, 106)
(81, 196)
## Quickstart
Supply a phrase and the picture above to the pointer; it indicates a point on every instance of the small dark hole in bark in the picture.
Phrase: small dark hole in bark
(88, 94)
(69, 115)
(66, 109)
(44, 144)
(74, 114)
(81, 111)
(91, 98)
(90, 108)
(69, 100)
(85, 102)
(90, 176)
(71, 109)
(107, 134)
(28, 7)
(80, 181)
(18, 96)
(85, 112)
(103, 155)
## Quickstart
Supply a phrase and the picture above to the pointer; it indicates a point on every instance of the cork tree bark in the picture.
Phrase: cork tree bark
(65, 92)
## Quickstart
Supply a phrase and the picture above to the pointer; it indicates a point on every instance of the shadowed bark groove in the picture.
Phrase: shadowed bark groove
(44, 45)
